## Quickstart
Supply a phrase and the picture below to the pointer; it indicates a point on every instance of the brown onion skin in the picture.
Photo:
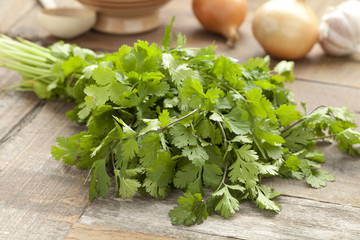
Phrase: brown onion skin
(286, 29)
(221, 16)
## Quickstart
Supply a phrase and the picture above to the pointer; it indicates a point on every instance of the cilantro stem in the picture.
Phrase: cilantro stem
(174, 122)
(226, 145)
(302, 119)
(324, 137)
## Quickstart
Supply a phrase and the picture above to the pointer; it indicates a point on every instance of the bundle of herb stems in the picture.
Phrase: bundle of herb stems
(161, 118)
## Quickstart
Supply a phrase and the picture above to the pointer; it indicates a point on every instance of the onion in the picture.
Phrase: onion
(286, 29)
(221, 16)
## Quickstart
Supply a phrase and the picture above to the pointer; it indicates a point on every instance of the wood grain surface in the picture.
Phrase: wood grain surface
(41, 198)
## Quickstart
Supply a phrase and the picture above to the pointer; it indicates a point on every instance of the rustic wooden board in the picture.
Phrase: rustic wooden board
(15, 107)
(44, 199)
(40, 197)
(299, 219)
(89, 232)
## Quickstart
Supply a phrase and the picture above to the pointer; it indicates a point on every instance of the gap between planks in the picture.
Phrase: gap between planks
(26, 119)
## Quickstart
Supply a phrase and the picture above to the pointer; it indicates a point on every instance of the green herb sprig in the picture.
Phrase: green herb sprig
(161, 118)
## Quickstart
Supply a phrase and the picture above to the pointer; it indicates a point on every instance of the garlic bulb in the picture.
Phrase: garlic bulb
(339, 29)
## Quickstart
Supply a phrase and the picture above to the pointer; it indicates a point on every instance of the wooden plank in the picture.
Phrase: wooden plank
(299, 219)
(40, 197)
(15, 107)
(317, 93)
(82, 231)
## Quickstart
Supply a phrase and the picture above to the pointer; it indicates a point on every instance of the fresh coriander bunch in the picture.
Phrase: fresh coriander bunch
(161, 118)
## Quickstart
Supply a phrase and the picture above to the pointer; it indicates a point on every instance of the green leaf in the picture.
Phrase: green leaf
(162, 172)
(287, 114)
(227, 204)
(191, 209)
(285, 69)
(150, 147)
(129, 148)
(182, 136)
(186, 175)
(99, 95)
(103, 75)
(100, 180)
(212, 176)
(126, 187)
(67, 150)
(315, 177)
(155, 190)
(263, 199)
(164, 118)
(293, 163)
(260, 106)
(196, 154)
(347, 139)
(298, 138)
(166, 42)
(237, 121)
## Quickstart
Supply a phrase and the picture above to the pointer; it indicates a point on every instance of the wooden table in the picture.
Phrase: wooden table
(41, 198)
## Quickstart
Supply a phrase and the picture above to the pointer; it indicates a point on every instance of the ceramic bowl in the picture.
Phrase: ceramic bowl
(126, 16)
(67, 23)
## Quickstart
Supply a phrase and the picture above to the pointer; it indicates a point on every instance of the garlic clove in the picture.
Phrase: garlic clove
(351, 10)
(342, 25)
(339, 29)
(335, 50)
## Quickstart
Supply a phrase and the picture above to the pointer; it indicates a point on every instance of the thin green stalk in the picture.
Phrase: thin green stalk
(24, 58)
(12, 51)
(174, 122)
(10, 43)
(33, 45)
(25, 70)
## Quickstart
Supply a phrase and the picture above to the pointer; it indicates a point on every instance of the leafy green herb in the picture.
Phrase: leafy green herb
(165, 118)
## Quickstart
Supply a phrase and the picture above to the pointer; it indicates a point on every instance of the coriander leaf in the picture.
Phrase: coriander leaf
(263, 199)
(347, 139)
(229, 71)
(315, 177)
(99, 95)
(268, 134)
(260, 106)
(212, 176)
(298, 138)
(150, 147)
(103, 75)
(287, 114)
(125, 187)
(196, 154)
(186, 175)
(67, 150)
(164, 118)
(237, 121)
(182, 136)
(100, 180)
(155, 190)
(129, 148)
(162, 172)
(247, 154)
(227, 204)
(293, 163)
(166, 42)
(191, 209)
(285, 69)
